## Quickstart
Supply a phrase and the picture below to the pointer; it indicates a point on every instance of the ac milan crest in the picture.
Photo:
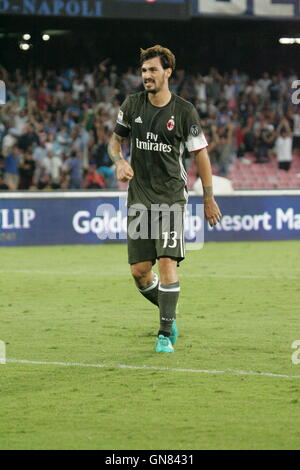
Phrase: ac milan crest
(171, 124)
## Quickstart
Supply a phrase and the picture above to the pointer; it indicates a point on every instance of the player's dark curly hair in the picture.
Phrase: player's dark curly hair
(167, 57)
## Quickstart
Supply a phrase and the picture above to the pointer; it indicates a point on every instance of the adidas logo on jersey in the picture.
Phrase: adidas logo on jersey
(138, 120)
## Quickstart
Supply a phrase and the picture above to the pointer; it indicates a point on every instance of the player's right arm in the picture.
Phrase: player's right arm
(123, 169)
(122, 130)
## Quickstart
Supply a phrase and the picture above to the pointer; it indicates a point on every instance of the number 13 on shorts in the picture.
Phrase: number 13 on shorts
(170, 239)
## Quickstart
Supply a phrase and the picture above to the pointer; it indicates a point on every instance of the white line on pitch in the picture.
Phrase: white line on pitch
(167, 369)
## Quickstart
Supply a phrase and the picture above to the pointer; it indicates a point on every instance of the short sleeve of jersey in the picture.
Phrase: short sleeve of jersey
(193, 134)
(123, 124)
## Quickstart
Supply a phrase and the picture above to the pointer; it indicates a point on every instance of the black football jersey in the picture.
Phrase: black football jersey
(159, 136)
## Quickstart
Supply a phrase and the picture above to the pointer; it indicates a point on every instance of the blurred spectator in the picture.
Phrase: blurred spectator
(11, 167)
(230, 91)
(20, 120)
(52, 169)
(73, 168)
(10, 138)
(93, 180)
(64, 140)
(53, 144)
(283, 145)
(275, 89)
(103, 163)
(42, 98)
(224, 148)
(78, 87)
(39, 155)
(40, 152)
(26, 170)
(249, 135)
(264, 83)
(265, 138)
(214, 84)
(28, 138)
(41, 133)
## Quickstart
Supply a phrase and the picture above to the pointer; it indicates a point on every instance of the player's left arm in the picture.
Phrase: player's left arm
(196, 144)
(211, 209)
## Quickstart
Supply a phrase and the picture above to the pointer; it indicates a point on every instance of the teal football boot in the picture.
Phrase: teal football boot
(163, 344)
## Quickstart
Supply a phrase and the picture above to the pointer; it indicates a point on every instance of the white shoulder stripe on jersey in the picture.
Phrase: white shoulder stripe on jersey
(196, 143)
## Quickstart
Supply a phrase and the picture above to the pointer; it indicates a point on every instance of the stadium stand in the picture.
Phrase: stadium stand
(55, 127)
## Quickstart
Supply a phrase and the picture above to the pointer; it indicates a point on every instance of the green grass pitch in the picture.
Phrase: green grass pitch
(239, 311)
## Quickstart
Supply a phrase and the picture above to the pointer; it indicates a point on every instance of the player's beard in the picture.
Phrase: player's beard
(156, 88)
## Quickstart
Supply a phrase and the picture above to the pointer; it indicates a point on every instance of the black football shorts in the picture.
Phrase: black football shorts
(154, 234)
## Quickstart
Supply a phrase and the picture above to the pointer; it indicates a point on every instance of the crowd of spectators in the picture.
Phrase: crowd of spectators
(56, 125)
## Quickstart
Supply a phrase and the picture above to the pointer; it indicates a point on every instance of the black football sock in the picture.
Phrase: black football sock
(168, 295)
(151, 291)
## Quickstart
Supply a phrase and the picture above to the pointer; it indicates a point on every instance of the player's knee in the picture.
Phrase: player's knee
(139, 272)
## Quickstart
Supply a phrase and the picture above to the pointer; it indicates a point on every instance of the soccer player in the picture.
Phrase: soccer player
(160, 125)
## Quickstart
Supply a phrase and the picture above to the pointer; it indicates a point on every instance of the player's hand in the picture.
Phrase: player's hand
(212, 212)
(124, 171)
